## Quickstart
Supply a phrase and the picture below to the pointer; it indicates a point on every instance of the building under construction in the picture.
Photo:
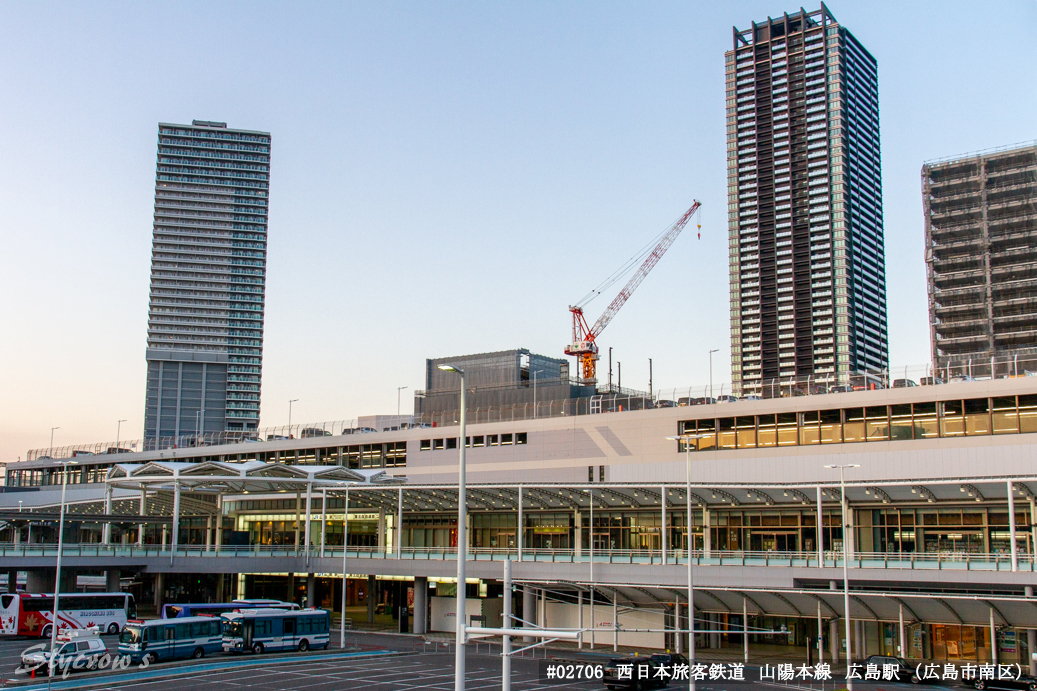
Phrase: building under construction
(981, 256)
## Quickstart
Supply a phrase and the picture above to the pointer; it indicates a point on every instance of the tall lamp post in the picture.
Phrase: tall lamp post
(118, 433)
(294, 400)
(398, 390)
(844, 505)
(462, 541)
(715, 350)
(57, 574)
(686, 439)
(50, 451)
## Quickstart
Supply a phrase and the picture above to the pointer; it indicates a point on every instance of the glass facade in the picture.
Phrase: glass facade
(208, 276)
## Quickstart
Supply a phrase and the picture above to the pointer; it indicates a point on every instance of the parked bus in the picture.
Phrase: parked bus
(159, 639)
(24, 614)
(217, 608)
(271, 630)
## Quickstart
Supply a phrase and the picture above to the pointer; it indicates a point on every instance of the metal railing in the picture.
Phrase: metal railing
(941, 561)
(961, 369)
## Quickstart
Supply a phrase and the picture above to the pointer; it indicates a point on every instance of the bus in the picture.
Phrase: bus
(24, 614)
(217, 608)
(272, 630)
(159, 639)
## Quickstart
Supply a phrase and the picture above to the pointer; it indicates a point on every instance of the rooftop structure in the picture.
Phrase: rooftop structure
(808, 287)
(981, 258)
(208, 277)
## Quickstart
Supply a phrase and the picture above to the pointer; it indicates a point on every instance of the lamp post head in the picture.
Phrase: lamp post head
(451, 368)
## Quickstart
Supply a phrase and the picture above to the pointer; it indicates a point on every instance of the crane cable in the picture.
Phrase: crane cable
(627, 266)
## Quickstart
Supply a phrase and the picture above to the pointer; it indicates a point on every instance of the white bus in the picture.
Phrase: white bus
(272, 630)
(24, 614)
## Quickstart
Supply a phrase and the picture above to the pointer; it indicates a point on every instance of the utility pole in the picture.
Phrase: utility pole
(398, 390)
(610, 369)
(711, 371)
(651, 391)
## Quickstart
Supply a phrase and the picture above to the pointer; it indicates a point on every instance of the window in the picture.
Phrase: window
(520, 438)
(831, 426)
(1028, 413)
(426, 444)
(479, 441)
(809, 431)
(1005, 418)
(590, 473)
(925, 421)
(451, 443)
(877, 423)
(952, 423)
(977, 416)
(437, 444)
(601, 473)
(900, 422)
(491, 440)
(506, 439)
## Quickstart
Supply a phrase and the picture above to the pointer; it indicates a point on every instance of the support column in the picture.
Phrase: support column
(323, 518)
(309, 516)
(175, 537)
(298, 519)
(291, 588)
(521, 530)
(371, 583)
(1011, 526)
(820, 535)
(311, 590)
(111, 581)
(208, 533)
(858, 639)
(678, 642)
(106, 530)
(529, 609)
(901, 639)
(707, 534)
(579, 618)
(820, 635)
(833, 640)
(398, 532)
(615, 622)
(219, 523)
(160, 586)
(1031, 634)
(220, 587)
(848, 529)
(141, 526)
(12, 580)
(421, 604)
(663, 531)
(993, 638)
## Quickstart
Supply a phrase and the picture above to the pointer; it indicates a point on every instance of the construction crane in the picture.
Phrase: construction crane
(584, 345)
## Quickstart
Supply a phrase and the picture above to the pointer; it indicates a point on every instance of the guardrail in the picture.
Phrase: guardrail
(940, 561)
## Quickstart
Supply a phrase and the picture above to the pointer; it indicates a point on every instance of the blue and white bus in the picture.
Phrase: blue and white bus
(162, 639)
(272, 630)
(193, 609)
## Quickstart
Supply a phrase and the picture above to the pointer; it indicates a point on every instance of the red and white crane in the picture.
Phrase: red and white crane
(584, 345)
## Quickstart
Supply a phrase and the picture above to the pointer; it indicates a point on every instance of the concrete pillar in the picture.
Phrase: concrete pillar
(68, 580)
(707, 534)
(858, 642)
(39, 581)
(833, 640)
(421, 604)
(311, 590)
(221, 578)
(1031, 635)
(291, 588)
(12, 580)
(298, 520)
(371, 583)
(159, 594)
(111, 581)
(529, 603)
(208, 533)
(219, 522)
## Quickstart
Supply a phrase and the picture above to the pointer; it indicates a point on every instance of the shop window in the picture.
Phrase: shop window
(977, 416)
(1004, 418)
(952, 422)
(853, 427)
(831, 426)
(876, 420)
(809, 430)
(925, 420)
(1028, 413)
(766, 432)
(900, 422)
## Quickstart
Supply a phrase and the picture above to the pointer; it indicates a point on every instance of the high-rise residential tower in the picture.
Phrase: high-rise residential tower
(981, 254)
(208, 276)
(807, 268)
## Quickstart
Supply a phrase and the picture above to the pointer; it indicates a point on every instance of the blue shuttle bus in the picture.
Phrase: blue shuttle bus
(162, 639)
(272, 630)
(191, 609)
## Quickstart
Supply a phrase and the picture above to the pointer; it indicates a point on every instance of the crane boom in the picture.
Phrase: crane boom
(583, 345)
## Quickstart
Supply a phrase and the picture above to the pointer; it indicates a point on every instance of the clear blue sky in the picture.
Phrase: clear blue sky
(446, 179)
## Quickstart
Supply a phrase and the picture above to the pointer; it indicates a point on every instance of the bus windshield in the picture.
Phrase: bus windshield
(130, 634)
(232, 629)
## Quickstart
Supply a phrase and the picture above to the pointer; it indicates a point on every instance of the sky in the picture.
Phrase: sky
(446, 178)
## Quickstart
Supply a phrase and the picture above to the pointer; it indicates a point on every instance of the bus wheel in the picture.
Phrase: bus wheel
(304, 645)
(45, 633)
(151, 658)
(113, 628)
(198, 653)
(257, 649)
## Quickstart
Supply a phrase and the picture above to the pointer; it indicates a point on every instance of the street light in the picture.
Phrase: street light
(462, 541)
(57, 574)
(294, 400)
(539, 371)
(398, 390)
(844, 506)
(687, 439)
(118, 433)
(715, 350)
(50, 451)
